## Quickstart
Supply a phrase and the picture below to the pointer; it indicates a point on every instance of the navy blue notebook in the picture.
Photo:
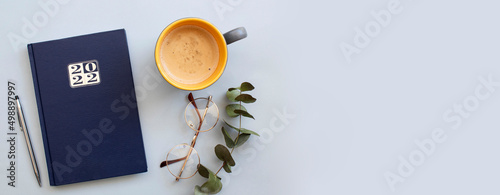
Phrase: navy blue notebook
(87, 107)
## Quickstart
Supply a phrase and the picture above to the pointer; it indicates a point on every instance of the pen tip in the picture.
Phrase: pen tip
(17, 97)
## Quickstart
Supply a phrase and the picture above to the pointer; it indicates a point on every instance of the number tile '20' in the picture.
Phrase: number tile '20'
(84, 73)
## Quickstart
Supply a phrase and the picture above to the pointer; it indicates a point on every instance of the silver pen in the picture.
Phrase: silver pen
(22, 124)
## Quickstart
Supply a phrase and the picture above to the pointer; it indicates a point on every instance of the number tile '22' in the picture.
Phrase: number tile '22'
(84, 73)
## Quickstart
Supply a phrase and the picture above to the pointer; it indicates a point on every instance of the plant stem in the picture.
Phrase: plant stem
(239, 133)
(220, 168)
(235, 141)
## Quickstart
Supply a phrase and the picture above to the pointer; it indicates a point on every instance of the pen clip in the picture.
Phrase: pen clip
(20, 117)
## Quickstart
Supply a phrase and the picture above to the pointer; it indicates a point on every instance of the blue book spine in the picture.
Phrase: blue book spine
(40, 113)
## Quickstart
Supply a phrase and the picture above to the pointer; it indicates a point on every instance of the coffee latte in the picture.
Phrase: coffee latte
(189, 54)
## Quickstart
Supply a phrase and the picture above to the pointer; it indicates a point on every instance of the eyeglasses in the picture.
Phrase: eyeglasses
(183, 160)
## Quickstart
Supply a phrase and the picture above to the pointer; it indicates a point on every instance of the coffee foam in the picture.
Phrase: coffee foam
(189, 54)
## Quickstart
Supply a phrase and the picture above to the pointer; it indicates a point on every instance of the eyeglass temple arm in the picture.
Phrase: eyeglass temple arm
(194, 138)
(191, 99)
(165, 163)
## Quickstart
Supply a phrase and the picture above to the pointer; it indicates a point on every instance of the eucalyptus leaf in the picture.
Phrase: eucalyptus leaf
(246, 86)
(232, 94)
(243, 113)
(231, 107)
(212, 186)
(227, 168)
(245, 98)
(224, 155)
(242, 139)
(242, 130)
(235, 128)
(197, 191)
(227, 138)
(203, 171)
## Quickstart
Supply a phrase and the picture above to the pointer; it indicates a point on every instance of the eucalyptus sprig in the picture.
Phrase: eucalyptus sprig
(214, 185)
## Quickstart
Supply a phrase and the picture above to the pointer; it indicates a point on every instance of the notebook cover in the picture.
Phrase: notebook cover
(87, 107)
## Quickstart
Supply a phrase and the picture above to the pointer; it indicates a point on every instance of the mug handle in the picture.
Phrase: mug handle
(235, 35)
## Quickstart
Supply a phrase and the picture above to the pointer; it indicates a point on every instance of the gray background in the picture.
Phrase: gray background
(348, 124)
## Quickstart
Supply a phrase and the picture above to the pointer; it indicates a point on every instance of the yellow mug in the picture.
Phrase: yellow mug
(222, 41)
